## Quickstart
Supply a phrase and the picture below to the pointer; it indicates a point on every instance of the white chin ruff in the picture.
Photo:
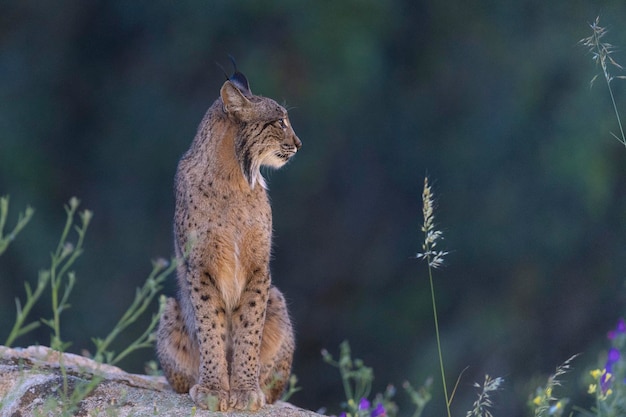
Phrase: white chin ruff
(271, 161)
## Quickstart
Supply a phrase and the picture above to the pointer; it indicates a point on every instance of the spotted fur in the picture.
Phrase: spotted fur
(227, 339)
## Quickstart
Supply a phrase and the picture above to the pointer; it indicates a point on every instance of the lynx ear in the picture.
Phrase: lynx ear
(234, 101)
(238, 79)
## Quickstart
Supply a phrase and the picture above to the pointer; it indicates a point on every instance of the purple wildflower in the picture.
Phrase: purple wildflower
(605, 382)
(619, 329)
(342, 414)
(364, 404)
(379, 411)
(612, 358)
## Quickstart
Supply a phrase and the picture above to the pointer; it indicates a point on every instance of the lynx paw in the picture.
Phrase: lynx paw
(209, 399)
(247, 400)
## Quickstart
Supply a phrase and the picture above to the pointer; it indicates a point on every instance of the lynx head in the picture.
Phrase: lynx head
(264, 134)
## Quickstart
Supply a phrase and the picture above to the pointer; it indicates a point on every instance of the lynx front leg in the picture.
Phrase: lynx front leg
(248, 320)
(209, 316)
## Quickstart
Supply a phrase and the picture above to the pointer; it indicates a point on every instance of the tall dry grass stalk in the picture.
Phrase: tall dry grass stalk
(601, 54)
(483, 403)
(434, 259)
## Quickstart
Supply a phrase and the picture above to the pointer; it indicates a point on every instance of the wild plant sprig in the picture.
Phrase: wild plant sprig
(292, 388)
(161, 269)
(357, 382)
(22, 220)
(434, 260)
(355, 376)
(608, 382)
(420, 396)
(61, 260)
(69, 403)
(545, 403)
(483, 403)
(19, 329)
(601, 54)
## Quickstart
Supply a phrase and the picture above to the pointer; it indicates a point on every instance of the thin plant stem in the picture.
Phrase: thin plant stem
(443, 374)
(62, 259)
(419, 397)
(619, 121)
(161, 269)
(604, 52)
(22, 220)
(19, 328)
(292, 388)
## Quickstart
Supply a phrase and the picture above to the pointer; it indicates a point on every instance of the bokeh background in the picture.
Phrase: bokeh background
(490, 99)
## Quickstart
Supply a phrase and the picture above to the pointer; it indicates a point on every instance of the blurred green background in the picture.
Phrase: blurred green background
(491, 99)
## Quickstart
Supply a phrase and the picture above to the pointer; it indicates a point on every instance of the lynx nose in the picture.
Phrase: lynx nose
(297, 142)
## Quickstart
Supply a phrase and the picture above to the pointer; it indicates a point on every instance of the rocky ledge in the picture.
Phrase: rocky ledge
(38, 381)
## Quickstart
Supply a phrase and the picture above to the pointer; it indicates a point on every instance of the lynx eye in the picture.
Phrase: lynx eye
(282, 123)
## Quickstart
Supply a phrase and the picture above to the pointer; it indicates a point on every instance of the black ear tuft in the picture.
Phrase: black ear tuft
(238, 79)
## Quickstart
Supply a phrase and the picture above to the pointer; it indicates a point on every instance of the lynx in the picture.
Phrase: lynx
(227, 339)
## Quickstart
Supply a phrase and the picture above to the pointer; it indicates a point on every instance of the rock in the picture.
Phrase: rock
(32, 383)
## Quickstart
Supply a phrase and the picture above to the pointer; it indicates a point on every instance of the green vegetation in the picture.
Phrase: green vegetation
(59, 275)
(161, 269)
(22, 221)
(62, 281)
(607, 384)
